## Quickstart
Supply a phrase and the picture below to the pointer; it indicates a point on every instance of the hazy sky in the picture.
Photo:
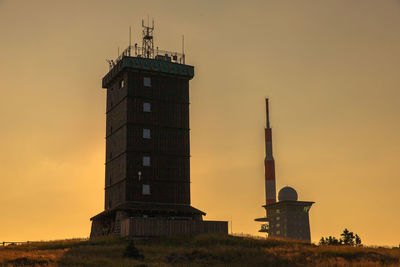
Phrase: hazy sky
(330, 68)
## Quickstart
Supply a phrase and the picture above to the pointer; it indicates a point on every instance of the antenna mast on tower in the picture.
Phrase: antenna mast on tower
(147, 42)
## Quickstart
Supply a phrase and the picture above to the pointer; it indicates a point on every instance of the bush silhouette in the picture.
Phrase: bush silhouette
(132, 252)
(347, 238)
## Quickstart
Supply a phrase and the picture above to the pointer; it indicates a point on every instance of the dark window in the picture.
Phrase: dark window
(146, 189)
(146, 161)
(147, 81)
(146, 134)
(146, 107)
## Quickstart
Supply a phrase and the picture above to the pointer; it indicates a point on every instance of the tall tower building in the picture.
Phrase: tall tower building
(269, 162)
(287, 218)
(147, 177)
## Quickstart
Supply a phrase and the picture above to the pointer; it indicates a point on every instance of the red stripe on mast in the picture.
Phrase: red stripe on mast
(269, 163)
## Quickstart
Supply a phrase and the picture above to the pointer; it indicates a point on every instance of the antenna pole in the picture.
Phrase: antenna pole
(183, 48)
(130, 40)
(152, 41)
(267, 112)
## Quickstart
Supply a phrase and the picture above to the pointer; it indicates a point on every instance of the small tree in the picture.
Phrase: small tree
(334, 241)
(358, 241)
(331, 240)
(348, 237)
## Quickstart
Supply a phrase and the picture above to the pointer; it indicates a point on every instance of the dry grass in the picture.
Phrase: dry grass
(212, 250)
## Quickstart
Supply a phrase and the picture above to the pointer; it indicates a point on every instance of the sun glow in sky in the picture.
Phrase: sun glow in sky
(330, 69)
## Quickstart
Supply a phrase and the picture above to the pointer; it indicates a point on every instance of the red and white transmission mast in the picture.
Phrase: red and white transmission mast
(269, 163)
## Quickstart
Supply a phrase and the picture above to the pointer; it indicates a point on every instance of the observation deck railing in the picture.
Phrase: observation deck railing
(158, 54)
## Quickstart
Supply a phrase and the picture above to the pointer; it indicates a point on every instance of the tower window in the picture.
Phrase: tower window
(146, 107)
(146, 134)
(147, 81)
(146, 189)
(121, 84)
(146, 161)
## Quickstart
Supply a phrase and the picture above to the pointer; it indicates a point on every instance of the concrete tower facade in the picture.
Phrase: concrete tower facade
(287, 218)
(147, 133)
(147, 173)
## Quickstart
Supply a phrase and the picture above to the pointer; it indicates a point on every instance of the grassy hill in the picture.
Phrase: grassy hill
(212, 250)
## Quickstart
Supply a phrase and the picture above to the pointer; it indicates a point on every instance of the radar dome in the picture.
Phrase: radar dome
(287, 194)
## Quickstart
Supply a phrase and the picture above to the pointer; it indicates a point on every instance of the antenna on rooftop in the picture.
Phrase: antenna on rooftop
(147, 42)
(130, 40)
(183, 49)
(147, 49)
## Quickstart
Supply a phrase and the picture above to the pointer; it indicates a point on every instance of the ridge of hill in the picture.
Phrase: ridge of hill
(209, 249)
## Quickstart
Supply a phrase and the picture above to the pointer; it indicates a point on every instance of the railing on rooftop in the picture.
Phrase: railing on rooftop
(157, 54)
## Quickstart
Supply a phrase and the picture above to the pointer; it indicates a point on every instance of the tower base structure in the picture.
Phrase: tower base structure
(140, 219)
(287, 219)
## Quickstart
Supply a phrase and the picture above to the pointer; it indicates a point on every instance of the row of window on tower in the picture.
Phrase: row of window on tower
(146, 162)
(146, 82)
(146, 135)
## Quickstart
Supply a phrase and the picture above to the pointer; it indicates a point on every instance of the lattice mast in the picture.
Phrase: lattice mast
(147, 40)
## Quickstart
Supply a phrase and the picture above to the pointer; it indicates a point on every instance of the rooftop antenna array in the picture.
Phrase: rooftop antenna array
(147, 50)
(147, 42)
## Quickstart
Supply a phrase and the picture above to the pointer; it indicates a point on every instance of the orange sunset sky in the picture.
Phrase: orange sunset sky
(330, 68)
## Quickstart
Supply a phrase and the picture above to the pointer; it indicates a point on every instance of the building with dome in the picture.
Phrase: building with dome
(287, 218)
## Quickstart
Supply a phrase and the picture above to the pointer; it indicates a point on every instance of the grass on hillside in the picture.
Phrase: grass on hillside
(210, 249)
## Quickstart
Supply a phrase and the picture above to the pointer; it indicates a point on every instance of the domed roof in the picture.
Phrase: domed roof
(287, 194)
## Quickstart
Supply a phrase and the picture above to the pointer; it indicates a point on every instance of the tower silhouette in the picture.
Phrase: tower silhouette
(147, 177)
(287, 218)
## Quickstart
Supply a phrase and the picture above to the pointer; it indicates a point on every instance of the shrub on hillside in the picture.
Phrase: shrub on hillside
(347, 238)
(132, 252)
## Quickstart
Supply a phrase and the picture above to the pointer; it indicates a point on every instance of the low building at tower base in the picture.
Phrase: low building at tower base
(140, 219)
(156, 227)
